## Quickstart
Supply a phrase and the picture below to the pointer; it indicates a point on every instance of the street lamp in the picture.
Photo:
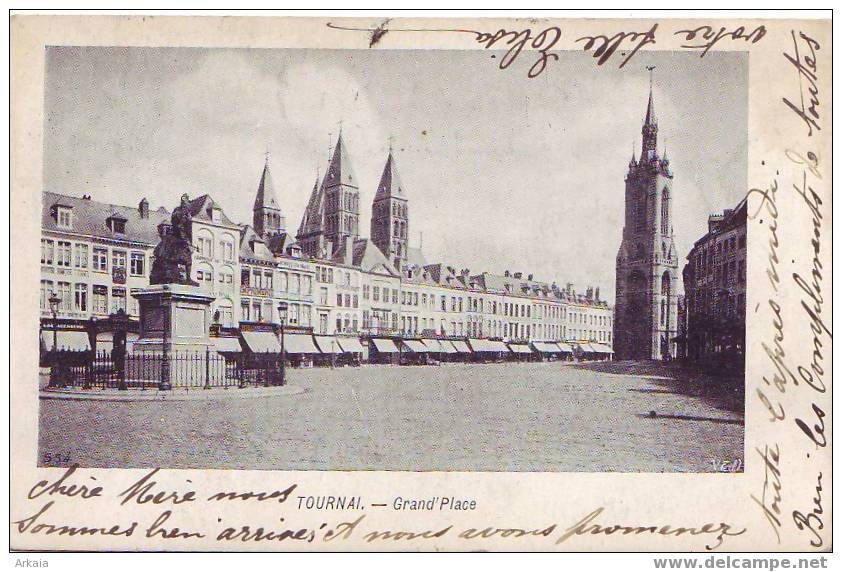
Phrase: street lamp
(54, 302)
(282, 318)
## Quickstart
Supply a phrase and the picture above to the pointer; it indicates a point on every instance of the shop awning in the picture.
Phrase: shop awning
(461, 346)
(416, 346)
(546, 347)
(385, 346)
(227, 344)
(601, 348)
(520, 348)
(67, 340)
(299, 344)
(262, 342)
(565, 347)
(328, 345)
(351, 345)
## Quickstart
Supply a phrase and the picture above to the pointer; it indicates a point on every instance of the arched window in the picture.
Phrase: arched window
(665, 210)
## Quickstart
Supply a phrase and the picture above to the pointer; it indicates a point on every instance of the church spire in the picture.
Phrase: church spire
(267, 216)
(650, 126)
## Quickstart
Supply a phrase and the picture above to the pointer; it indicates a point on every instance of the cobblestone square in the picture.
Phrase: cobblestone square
(461, 417)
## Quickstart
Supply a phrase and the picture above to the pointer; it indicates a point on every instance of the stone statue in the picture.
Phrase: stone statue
(174, 253)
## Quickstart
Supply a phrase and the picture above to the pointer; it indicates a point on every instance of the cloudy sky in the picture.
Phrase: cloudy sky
(502, 172)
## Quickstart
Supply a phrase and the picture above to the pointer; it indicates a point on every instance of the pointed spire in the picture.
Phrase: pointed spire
(634, 157)
(390, 182)
(650, 107)
(266, 190)
(339, 171)
(311, 220)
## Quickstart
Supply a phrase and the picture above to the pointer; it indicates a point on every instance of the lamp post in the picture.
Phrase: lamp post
(54, 301)
(282, 318)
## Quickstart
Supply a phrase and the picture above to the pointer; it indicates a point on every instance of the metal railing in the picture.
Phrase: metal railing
(150, 370)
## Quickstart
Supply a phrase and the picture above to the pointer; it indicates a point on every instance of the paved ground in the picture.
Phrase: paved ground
(495, 417)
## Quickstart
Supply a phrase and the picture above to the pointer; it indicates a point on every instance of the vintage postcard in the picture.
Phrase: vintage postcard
(328, 284)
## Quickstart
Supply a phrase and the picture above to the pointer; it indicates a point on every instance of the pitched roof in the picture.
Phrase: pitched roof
(201, 208)
(363, 254)
(313, 216)
(266, 191)
(390, 183)
(89, 218)
(340, 172)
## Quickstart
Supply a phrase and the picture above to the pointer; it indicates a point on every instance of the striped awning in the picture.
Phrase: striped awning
(385, 346)
(328, 345)
(565, 347)
(68, 340)
(351, 345)
(299, 344)
(546, 347)
(461, 346)
(416, 346)
(520, 348)
(262, 342)
(601, 348)
(229, 345)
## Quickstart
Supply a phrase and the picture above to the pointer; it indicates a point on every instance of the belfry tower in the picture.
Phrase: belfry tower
(646, 313)
(390, 215)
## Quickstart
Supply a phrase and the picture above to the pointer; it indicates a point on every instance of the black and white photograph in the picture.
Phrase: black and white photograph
(295, 259)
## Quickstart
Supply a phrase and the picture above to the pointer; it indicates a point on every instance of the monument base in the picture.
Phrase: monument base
(175, 324)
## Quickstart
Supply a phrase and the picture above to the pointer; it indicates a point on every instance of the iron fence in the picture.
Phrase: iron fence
(156, 370)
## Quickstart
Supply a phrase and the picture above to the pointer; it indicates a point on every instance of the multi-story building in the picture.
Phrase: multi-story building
(647, 265)
(715, 288)
(334, 282)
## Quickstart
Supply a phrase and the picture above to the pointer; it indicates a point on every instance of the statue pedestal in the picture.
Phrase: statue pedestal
(175, 325)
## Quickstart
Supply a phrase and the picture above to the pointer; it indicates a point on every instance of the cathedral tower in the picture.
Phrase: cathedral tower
(645, 321)
(267, 216)
(390, 215)
(341, 198)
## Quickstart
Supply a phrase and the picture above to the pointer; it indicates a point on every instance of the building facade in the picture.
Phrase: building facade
(715, 289)
(334, 282)
(647, 265)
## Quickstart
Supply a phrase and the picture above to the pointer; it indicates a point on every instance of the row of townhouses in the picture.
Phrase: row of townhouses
(94, 255)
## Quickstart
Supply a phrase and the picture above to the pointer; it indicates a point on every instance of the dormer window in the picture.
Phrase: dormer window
(216, 214)
(116, 224)
(63, 215)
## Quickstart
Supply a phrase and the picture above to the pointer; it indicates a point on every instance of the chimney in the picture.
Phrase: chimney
(569, 287)
(596, 294)
(143, 207)
(530, 277)
(506, 274)
(518, 275)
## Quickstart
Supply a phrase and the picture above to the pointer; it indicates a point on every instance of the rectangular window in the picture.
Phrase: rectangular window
(366, 291)
(100, 299)
(118, 258)
(295, 284)
(323, 296)
(245, 311)
(138, 263)
(65, 218)
(308, 285)
(80, 298)
(267, 280)
(63, 254)
(80, 259)
(356, 301)
(46, 292)
(283, 281)
(339, 299)
(347, 300)
(101, 259)
(118, 299)
(395, 296)
(47, 251)
(376, 293)
(64, 294)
